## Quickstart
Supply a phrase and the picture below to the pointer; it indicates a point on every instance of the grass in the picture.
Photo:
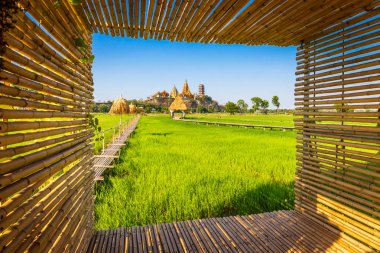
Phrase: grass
(107, 121)
(254, 119)
(175, 171)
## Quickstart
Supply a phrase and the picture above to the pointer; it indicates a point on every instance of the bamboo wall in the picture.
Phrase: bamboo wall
(337, 96)
(46, 185)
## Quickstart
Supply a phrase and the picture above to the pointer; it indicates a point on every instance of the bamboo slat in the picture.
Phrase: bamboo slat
(46, 143)
(338, 131)
(282, 231)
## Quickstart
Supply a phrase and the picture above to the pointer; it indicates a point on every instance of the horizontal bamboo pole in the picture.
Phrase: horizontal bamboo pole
(339, 195)
(40, 221)
(48, 204)
(17, 180)
(23, 114)
(16, 151)
(340, 223)
(41, 49)
(329, 156)
(14, 56)
(338, 171)
(12, 211)
(8, 127)
(37, 82)
(12, 165)
(344, 62)
(368, 91)
(17, 92)
(309, 66)
(356, 154)
(21, 18)
(23, 137)
(18, 46)
(355, 189)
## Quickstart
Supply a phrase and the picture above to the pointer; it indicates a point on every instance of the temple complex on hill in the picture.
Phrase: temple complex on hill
(192, 100)
(162, 96)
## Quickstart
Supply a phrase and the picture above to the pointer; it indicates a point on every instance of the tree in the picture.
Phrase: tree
(264, 105)
(256, 101)
(94, 107)
(276, 102)
(242, 106)
(231, 107)
(340, 109)
(104, 108)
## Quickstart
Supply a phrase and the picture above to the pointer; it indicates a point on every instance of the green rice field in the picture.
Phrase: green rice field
(174, 170)
(254, 119)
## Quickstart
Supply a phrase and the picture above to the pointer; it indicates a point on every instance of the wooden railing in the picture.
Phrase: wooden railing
(284, 128)
(111, 151)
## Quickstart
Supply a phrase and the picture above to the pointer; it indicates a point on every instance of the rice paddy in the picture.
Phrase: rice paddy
(174, 170)
(254, 119)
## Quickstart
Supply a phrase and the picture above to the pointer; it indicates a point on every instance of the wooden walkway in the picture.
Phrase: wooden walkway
(281, 231)
(284, 128)
(106, 158)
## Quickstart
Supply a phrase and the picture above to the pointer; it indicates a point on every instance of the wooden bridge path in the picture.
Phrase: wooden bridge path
(236, 124)
(106, 158)
(281, 231)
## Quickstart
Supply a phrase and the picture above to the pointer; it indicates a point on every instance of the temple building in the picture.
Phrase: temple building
(186, 93)
(161, 94)
(174, 93)
(201, 90)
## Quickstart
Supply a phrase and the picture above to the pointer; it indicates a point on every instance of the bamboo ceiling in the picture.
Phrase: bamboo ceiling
(275, 22)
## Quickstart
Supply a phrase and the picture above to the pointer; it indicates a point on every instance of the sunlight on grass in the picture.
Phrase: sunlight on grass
(178, 171)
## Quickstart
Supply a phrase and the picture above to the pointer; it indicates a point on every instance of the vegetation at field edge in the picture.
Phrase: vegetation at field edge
(254, 119)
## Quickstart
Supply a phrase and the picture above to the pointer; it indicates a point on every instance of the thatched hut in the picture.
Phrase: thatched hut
(132, 108)
(119, 106)
(178, 105)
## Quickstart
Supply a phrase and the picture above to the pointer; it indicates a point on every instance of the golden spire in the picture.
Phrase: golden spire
(174, 93)
(186, 91)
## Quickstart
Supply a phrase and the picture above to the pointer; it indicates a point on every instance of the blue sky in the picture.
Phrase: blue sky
(137, 68)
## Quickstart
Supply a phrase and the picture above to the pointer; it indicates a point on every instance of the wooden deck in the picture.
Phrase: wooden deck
(281, 231)
(106, 158)
(284, 128)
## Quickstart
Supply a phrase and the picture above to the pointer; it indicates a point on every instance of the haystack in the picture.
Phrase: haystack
(132, 108)
(178, 104)
(119, 106)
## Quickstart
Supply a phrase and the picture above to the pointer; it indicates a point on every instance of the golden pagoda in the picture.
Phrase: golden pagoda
(186, 93)
(174, 93)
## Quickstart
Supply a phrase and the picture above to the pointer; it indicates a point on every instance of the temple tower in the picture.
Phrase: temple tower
(174, 93)
(186, 93)
(201, 90)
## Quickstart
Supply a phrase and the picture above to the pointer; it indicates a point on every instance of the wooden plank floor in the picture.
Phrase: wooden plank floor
(235, 124)
(105, 159)
(281, 231)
